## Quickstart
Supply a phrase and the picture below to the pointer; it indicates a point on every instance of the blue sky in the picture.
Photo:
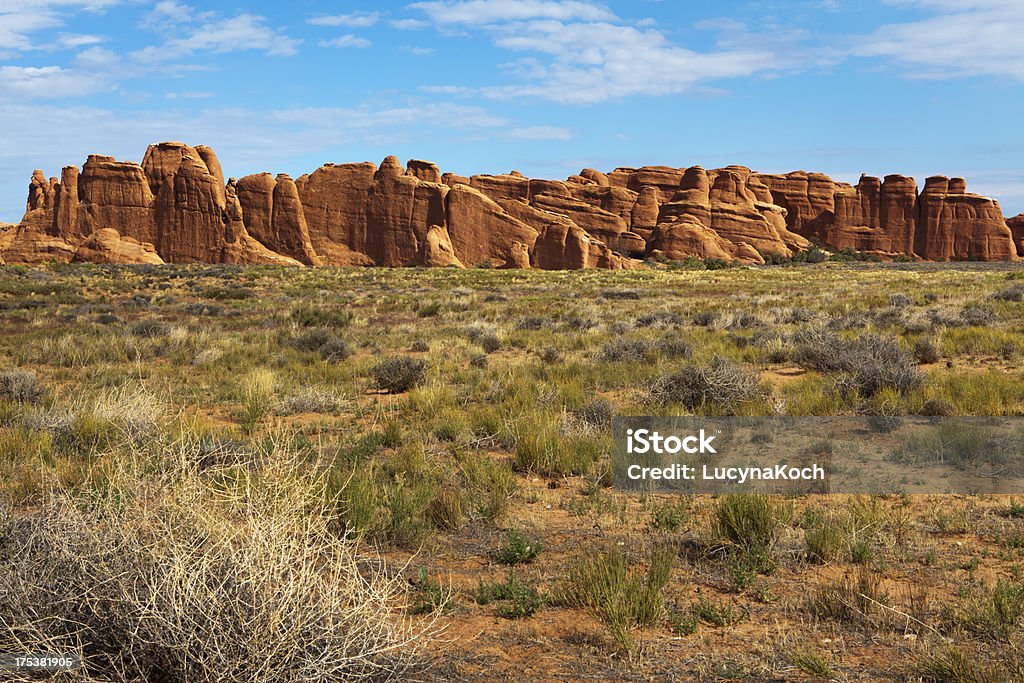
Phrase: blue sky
(542, 86)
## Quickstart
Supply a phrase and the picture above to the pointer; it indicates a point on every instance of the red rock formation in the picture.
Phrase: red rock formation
(682, 237)
(256, 196)
(359, 214)
(424, 170)
(1016, 225)
(956, 225)
(107, 246)
(602, 224)
(400, 212)
(335, 199)
(563, 245)
(116, 194)
(437, 250)
(595, 177)
(481, 230)
(66, 221)
(808, 198)
(506, 186)
(644, 214)
(453, 179)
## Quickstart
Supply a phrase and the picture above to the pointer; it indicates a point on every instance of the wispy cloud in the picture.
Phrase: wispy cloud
(409, 24)
(19, 20)
(964, 38)
(478, 12)
(347, 40)
(539, 133)
(353, 20)
(235, 34)
(582, 53)
(45, 82)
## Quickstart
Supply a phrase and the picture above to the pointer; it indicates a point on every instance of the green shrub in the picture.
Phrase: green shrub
(518, 599)
(308, 315)
(519, 548)
(752, 523)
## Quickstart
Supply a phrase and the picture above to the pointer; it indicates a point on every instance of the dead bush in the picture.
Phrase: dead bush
(186, 579)
(721, 382)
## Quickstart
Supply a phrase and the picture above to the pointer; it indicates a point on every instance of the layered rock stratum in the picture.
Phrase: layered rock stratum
(177, 207)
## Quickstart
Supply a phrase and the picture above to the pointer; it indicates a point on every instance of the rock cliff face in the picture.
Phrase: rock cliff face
(177, 207)
(1016, 225)
(890, 217)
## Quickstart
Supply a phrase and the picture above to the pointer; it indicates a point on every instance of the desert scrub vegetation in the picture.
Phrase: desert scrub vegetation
(620, 592)
(720, 384)
(433, 474)
(191, 576)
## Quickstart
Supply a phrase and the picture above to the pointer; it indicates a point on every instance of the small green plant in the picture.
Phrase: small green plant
(683, 621)
(716, 612)
(519, 548)
(993, 613)
(953, 665)
(752, 523)
(430, 595)
(518, 599)
(620, 595)
(827, 540)
(669, 517)
(811, 662)
(308, 315)
(257, 397)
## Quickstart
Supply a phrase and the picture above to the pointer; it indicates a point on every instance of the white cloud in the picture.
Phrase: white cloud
(166, 14)
(418, 50)
(965, 38)
(581, 53)
(447, 89)
(539, 133)
(410, 24)
(188, 95)
(71, 40)
(45, 82)
(476, 12)
(19, 19)
(353, 20)
(347, 40)
(239, 33)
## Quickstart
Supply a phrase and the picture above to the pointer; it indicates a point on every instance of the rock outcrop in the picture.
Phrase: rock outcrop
(1016, 225)
(176, 207)
(955, 225)
(106, 245)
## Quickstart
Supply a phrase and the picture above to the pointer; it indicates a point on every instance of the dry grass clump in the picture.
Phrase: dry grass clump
(399, 374)
(721, 383)
(20, 386)
(1012, 293)
(196, 576)
(619, 593)
(870, 363)
(625, 349)
(310, 400)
